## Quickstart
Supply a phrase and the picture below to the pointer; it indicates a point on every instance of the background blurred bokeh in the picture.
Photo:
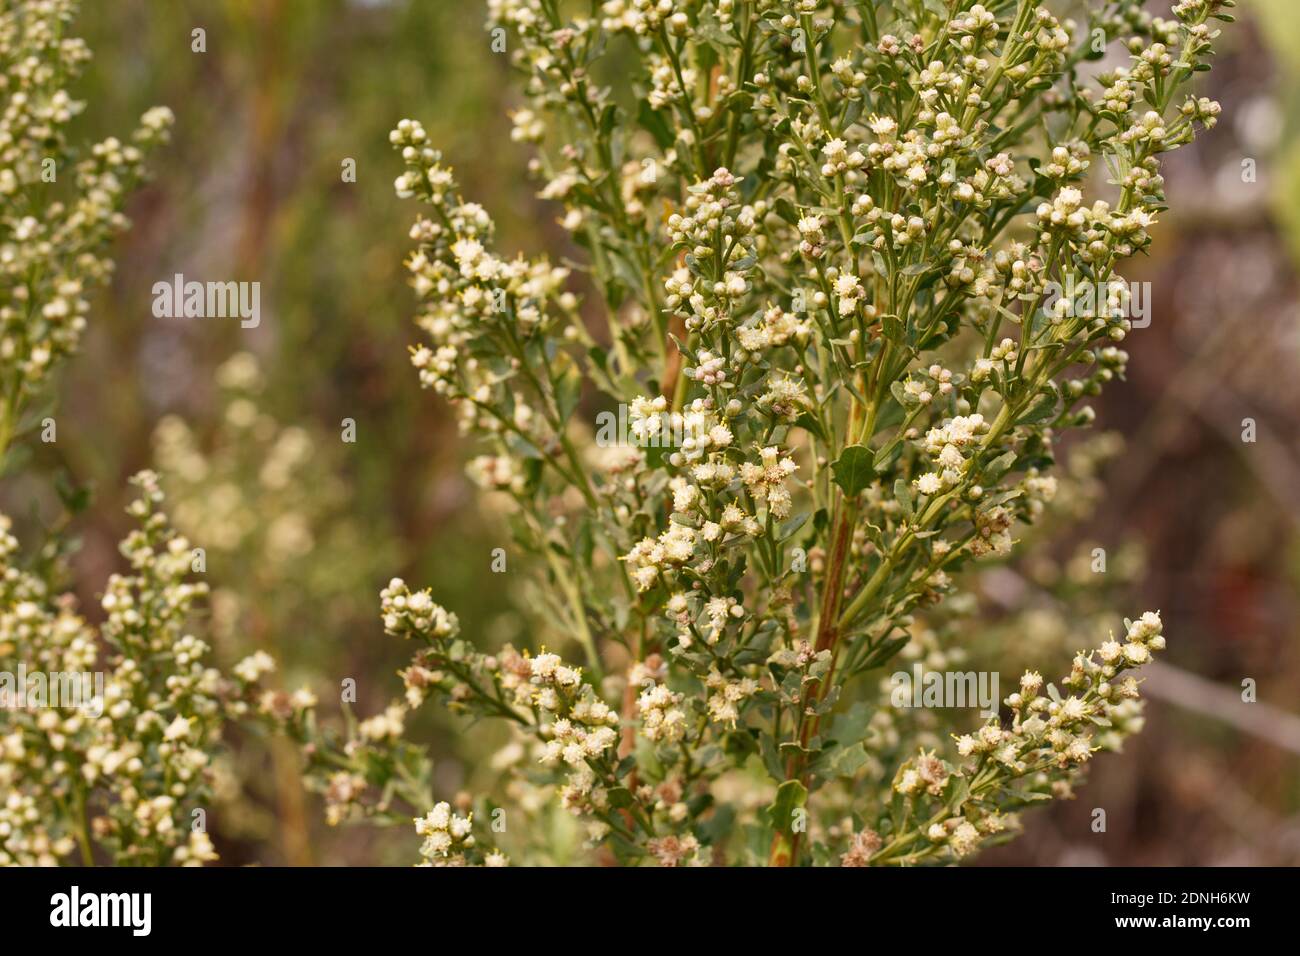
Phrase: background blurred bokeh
(303, 529)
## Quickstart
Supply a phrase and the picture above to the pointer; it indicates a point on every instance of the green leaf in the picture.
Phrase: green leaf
(903, 495)
(75, 498)
(892, 326)
(881, 653)
(810, 424)
(771, 758)
(1043, 408)
(654, 123)
(851, 114)
(999, 466)
(710, 30)
(900, 394)
(568, 392)
(718, 825)
(785, 209)
(851, 725)
(846, 761)
(608, 120)
(886, 455)
(790, 796)
(522, 447)
(853, 470)
(791, 526)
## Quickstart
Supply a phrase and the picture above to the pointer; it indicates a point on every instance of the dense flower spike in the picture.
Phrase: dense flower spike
(122, 769)
(950, 810)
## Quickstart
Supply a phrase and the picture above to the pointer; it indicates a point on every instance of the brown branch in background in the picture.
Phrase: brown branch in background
(1181, 687)
(259, 209)
(260, 198)
(1277, 473)
(290, 795)
(1206, 698)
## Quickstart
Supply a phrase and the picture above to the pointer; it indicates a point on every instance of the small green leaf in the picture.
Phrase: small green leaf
(809, 423)
(653, 122)
(846, 761)
(1043, 408)
(903, 495)
(900, 394)
(999, 466)
(853, 470)
(790, 796)
(791, 526)
(785, 209)
(771, 758)
(608, 120)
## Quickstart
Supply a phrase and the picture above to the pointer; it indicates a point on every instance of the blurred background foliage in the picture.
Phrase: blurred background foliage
(252, 188)
(302, 529)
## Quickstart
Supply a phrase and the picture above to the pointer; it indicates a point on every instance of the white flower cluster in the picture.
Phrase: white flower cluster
(661, 713)
(52, 250)
(948, 445)
(727, 697)
(140, 753)
(407, 613)
(449, 839)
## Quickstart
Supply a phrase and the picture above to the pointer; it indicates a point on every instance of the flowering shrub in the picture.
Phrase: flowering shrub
(125, 770)
(850, 270)
(62, 203)
(828, 242)
(107, 733)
